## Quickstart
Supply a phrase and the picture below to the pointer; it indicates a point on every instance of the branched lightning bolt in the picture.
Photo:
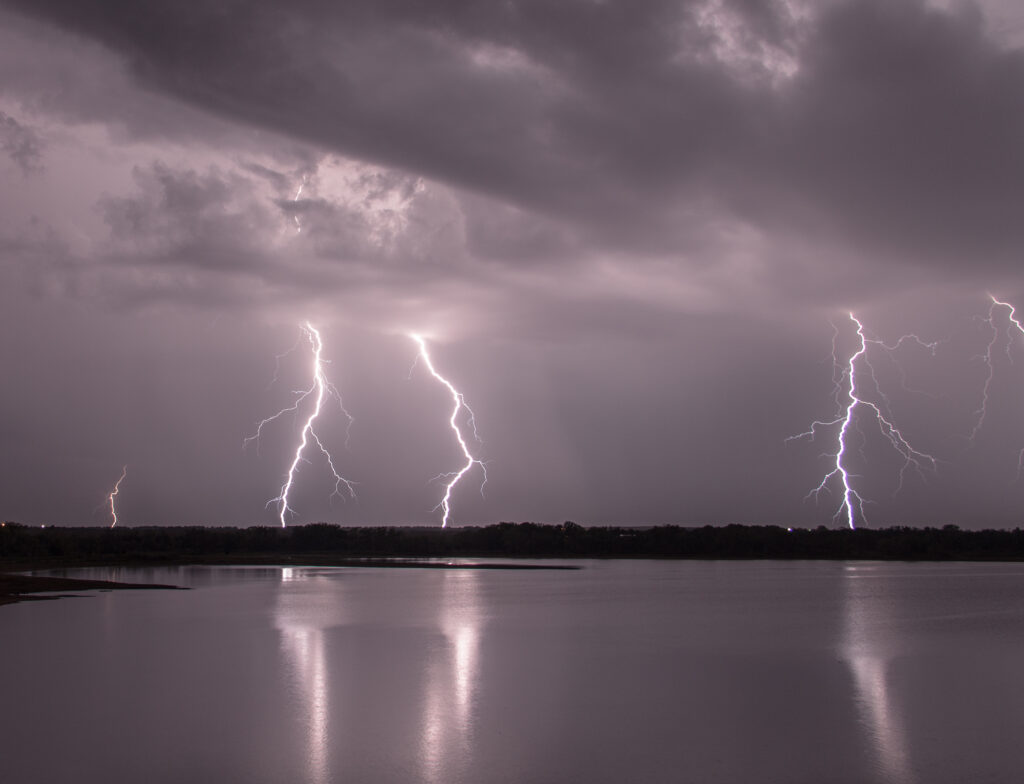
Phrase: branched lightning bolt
(1012, 322)
(113, 495)
(848, 387)
(458, 403)
(982, 410)
(319, 390)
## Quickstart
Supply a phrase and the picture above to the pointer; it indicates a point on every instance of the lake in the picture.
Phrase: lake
(621, 671)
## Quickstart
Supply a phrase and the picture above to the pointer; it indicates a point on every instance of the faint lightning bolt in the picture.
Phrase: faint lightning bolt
(319, 390)
(458, 403)
(982, 410)
(847, 386)
(298, 193)
(113, 495)
(1012, 322)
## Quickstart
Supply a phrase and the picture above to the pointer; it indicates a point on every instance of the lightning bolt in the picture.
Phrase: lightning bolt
(1012, 323)
(458, 403)
(847, 387)
(113, 495)
(982, 410)
(298, 193)
(320, 389)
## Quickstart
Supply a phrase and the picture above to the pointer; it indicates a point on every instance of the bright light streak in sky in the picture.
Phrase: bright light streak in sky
(458, 403)
(113, 495)
(319, 390)
(982, 410)
(298, 193)
(1013, 323)
(848, 387)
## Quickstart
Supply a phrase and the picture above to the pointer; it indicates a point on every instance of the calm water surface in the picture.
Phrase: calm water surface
(623, 671)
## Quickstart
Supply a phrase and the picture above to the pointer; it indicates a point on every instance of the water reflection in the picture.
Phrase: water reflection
(452, 673)
(422, 651)
(868, 650)
(301, 624)
(651, 672)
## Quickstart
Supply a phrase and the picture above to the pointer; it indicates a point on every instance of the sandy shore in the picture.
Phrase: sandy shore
(22, 587)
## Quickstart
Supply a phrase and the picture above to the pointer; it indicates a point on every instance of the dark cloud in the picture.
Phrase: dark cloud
(892, 125)
(184, 215)
(551, 108)
(904, 128)
(21, 144)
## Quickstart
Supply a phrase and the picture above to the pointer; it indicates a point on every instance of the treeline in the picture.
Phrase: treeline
(322, 543)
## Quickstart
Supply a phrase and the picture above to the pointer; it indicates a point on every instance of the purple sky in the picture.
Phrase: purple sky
(626, 227)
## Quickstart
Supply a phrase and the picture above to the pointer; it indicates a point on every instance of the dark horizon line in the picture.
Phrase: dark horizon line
(438, 527)
(326, 543)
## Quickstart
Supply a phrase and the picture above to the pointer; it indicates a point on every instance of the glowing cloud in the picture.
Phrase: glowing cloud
(458, 403)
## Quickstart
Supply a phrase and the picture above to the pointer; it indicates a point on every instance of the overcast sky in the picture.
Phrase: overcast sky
(632, 232)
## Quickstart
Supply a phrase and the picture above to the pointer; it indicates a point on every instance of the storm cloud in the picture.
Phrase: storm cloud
(629, 224)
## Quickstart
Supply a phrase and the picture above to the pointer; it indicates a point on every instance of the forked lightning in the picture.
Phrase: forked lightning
(1013, 323)
(982, 410)
(848, 388)
(458, 403)
(320, 389)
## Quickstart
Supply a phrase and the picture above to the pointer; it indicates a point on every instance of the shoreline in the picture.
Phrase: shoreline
(16, 588)
(24, 548)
